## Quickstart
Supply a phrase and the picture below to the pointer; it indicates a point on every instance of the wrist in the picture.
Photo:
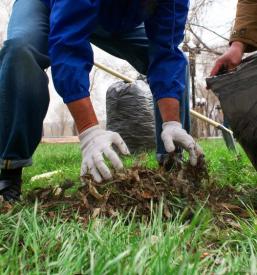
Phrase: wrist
(83, 114)
(171, 123)
(169, 109)
(89, 132)
(239, 46)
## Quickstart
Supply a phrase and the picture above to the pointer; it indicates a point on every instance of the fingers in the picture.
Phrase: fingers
(199, 150)
(83, 169)
(94, 147)
(89, 167)
(188, 143)
(113, 157)
(193, 157)
(95, 174)
(119, 142)
(195, 152)
(217, 68)
(101, 166)
(96, 167)
(232, 66)
(229, 60)
(168, 142)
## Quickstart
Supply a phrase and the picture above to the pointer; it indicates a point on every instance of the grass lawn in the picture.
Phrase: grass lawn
(32, 243)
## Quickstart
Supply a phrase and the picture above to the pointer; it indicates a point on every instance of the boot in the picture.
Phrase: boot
(10, 184)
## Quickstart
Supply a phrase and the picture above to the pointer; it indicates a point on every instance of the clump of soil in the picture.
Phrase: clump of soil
(181, 187)
(140, 190)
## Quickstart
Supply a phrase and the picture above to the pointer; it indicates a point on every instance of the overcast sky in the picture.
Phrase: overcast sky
(219, 17)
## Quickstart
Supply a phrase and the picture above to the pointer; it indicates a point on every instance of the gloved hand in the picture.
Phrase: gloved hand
(95, 144)
(173, 133)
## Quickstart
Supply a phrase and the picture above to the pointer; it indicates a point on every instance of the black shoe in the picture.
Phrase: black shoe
(10, 189)
(10, 184)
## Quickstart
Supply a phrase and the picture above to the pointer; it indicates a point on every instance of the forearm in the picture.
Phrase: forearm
(169, 109)
(83, 113)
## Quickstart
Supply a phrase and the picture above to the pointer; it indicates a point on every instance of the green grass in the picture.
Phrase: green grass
(228, 168)
(31, 243)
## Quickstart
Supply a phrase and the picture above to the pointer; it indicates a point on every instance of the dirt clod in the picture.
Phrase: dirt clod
(140, 191)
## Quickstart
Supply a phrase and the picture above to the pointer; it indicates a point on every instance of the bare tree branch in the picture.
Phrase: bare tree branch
(212, 31)
(203, 43)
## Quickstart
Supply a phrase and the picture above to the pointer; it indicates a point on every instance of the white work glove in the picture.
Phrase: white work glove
(95, 144)
(173, 133)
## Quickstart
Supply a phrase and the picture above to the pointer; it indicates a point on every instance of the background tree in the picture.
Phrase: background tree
(202, 53)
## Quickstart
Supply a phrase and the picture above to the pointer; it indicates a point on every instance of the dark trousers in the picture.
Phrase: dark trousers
(24, 95)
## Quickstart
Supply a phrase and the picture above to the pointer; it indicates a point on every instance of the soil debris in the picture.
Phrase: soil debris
(140, 191)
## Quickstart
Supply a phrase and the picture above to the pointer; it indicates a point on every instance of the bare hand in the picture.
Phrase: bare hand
(230, 59)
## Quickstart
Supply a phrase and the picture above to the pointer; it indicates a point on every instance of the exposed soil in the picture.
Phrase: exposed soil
(139, 191)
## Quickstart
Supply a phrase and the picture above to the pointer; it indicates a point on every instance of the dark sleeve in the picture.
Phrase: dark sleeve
(165, 30)
(69, 48)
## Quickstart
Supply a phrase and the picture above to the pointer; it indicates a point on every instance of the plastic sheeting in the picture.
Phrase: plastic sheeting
(130, 112)
(237, 92)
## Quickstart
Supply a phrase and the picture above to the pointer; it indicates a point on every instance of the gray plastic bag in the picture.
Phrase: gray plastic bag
(129, 110)
(237, 92)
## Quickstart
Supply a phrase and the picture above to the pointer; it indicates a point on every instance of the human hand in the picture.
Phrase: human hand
(230, 59)
(95, 144)
(173, 133)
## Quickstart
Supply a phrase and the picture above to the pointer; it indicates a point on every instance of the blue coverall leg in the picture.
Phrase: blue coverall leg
(24, 95)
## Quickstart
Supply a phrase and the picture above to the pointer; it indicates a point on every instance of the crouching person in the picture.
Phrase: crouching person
(146, 33)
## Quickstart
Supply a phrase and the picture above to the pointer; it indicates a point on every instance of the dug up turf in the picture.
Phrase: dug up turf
(140, 192)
